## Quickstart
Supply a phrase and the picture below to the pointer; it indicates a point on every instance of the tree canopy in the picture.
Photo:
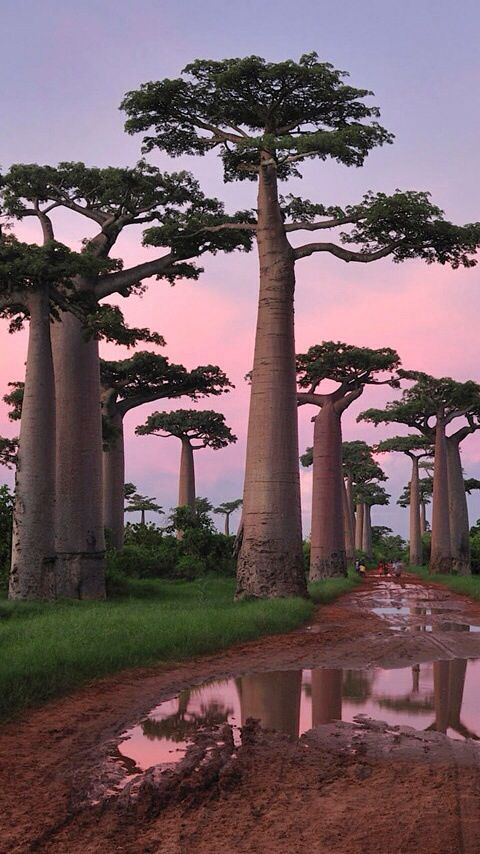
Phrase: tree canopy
(148, 376)
(407, 445)
(252, 112)
(114, 198)
(425, 399)
(205, 426)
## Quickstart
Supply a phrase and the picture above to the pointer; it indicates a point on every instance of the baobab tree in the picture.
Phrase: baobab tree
(416, 448)
(429, 406)
(264, 119)
(226, 509)
(425, 488)
(34, 282)
(351, 368)
(368, 495)
(359, 467)
(109, 200)
(128, 384)
(142, 504)
(196, 429)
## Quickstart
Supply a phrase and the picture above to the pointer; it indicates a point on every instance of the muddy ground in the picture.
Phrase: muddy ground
(340, 788)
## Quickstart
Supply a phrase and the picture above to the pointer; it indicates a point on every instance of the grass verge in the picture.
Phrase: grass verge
(47, 650)
(329, 589)
(468, 585)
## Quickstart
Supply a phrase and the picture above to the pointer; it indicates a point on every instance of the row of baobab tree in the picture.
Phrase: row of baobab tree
(264, 120)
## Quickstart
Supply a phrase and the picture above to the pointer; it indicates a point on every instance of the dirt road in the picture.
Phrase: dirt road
(342, 787)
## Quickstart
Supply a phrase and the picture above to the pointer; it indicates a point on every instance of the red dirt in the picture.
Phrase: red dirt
(275, 795)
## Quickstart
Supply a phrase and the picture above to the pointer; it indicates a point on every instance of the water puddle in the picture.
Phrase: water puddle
(438, 695)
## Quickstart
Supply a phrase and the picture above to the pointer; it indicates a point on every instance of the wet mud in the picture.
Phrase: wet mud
(357, 732)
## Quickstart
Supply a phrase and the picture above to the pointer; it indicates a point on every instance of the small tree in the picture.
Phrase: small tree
(226, 509)
(351, 368)
(196, 429)
(264, 119)
(415, 447)
(128, 384)
(141, 504)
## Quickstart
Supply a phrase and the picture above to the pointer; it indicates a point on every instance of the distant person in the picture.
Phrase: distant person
(381, 567)
(397, 568)
(362, 568)
(357, 565)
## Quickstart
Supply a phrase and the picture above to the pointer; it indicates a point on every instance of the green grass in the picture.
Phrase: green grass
(331, 588)
(47, 650)
(468, 585)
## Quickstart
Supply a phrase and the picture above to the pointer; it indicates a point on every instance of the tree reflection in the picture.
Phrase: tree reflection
(273, 698)
(182, 724)
(326, 695)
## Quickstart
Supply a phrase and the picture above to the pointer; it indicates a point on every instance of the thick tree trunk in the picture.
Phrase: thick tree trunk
(32, 574)
(458, 510)
(186, 486)
(415, 553)
(114, 483)
(327, 550)
(326, 695)
(349, 530)
(359, 527)
(441, 556)
(142, 517)
(80, 540)
(423, 518)
(270, 561)
(227, 524)
(367, 530)
(273, 699)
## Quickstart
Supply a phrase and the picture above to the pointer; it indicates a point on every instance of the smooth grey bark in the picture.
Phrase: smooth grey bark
(458, 510)
(114, 482)
(415, 550)
(441, 555)
(270, 562)
(359, 514)
(80, 541)
(351, 506)
(32, 572)
(423, 518)
(186, 486)
(349, 530)
(327, 546)
(367, 530)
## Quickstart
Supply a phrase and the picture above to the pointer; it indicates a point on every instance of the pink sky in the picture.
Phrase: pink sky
(429, 314)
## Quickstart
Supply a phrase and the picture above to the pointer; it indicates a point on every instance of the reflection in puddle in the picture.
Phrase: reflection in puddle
(442, 696)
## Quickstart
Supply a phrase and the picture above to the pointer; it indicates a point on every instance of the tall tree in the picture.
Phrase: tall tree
(351, 368)
(128, 384)
(108, 200)
(226, 509)
(34, 282)
(430, 405)
(358, 467)
(369, 495)
(264, 119)
(196, 429)
(425, 488)
(415, 447)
